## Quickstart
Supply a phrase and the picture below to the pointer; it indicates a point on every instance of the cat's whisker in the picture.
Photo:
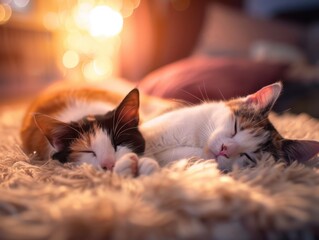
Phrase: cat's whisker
(81, 133)
(221, 94)
(123, 132)
(121, 118)
(116, 124)
(73, 128)
(207, 129)
(286, 110)
(257, 123)
(193, 95)
(202, 95)
(119, 131)
(206, 94)
(203, 92)
(184, 102)
(251, 118)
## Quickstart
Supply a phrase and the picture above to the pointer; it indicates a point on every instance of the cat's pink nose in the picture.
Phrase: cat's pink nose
(223, 151)
(108, 165)
(228, 150)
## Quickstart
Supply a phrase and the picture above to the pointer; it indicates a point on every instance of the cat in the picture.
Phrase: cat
(87, 125)
(233, 132)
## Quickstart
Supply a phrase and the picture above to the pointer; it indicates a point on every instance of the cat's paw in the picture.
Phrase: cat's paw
(127, 165)
(147, 166)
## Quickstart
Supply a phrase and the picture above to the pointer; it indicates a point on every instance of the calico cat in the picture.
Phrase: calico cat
(234, 132)
(87, 125)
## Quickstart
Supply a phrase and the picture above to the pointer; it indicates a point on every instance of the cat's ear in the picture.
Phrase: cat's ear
(264, 99)
(128, 111)
(57, 133)
(300, 150)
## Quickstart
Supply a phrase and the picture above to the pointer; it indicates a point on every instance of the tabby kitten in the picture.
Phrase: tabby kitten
(235, 132)
(87, 125)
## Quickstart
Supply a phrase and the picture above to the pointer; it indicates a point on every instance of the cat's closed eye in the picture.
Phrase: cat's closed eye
(89, 151)
(235, 127)
(248, 157)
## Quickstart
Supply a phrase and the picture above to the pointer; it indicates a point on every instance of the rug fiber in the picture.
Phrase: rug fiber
(188, 200)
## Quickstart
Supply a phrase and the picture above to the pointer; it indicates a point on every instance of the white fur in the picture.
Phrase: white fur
(77, 109)
(174, 134)
(197, 131)
(104, 151)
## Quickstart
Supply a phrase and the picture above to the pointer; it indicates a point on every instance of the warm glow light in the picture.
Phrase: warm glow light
(81, 15)
(104, 21)
(97, 70)
(128, 7)
(5, 13)
(102, 67)
(89, 32)
(70, 59)
(79, 42)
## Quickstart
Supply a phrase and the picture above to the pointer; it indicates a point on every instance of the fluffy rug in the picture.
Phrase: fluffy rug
(188, 200)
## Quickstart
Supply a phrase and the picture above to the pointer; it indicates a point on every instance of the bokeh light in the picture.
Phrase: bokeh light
(21, 3)
(89, 36)
(5, 13)
(104, 21)
(81, 15)
(102, 67)
(97, 70)
(70, 59)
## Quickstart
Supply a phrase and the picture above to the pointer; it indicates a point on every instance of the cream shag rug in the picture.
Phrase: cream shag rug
(48, 200)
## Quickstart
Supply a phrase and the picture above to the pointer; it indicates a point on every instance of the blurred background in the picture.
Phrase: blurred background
(186, 49)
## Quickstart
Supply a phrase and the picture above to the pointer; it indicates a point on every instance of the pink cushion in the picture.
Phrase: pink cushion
(202, 78)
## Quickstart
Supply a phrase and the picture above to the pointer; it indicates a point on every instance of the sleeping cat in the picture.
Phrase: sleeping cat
(87, 125)
(234, 132)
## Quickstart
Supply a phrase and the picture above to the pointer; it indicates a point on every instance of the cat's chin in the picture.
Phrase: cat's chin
(223, 164)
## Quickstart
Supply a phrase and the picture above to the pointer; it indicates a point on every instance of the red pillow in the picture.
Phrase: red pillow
(201, 78)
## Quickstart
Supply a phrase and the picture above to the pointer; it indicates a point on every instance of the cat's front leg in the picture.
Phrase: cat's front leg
(147, 166)
(127, 165)
(130, 165)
